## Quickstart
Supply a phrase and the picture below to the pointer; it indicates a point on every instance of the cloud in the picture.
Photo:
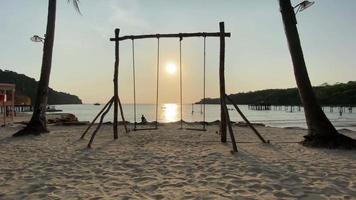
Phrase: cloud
(123, 14)
(126, 14)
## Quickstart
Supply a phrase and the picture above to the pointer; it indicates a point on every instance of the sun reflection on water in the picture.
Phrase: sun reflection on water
(170, 112)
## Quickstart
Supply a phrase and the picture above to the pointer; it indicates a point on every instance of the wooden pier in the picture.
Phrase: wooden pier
(298, 108)
(260, 106)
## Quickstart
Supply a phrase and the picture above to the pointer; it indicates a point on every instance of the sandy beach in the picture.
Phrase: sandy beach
(172, 164)
(185, 70)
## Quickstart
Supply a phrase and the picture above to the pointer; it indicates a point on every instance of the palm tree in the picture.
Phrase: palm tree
(37, 124)
(321, 133)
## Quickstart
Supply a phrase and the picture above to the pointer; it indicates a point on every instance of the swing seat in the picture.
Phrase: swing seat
(192, 128)
(144, 129)
(145, 126)
(196, 129)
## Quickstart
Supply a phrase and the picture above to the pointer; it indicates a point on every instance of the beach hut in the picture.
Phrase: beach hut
(23, 103)
(7, 96)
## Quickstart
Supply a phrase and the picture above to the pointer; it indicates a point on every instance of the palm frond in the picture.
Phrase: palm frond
(76, 5)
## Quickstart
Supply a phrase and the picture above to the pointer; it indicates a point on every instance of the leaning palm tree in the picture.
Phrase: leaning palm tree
(321, 133)
(37, 124)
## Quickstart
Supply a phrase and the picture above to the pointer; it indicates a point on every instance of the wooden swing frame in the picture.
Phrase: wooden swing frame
(115, 100)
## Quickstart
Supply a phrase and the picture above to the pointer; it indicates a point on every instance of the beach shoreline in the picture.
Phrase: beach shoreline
(71, 119)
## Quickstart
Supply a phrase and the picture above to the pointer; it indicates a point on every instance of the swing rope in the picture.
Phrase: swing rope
(134, 80)
(204, 90)
(134, 85)
(203, 108)
(180, 82)
(157, 82)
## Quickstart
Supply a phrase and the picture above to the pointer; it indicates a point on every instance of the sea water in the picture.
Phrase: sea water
(192, 113)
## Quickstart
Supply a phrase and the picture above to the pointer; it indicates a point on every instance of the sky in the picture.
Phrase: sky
(257, 55)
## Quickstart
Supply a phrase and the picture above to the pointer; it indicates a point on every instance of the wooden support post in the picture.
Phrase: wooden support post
(12, 105)
(96, 117)
(116, 72)
(246, 120)
(122, 115)
(99, 125)
(222, 83)
(232, 137)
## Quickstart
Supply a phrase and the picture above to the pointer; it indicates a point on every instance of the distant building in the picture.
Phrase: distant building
(22, 100)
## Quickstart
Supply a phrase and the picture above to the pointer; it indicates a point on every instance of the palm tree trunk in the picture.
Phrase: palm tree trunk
(37, 124)
(321, 133)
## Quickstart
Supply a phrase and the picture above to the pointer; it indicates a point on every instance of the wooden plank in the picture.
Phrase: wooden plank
(144, 129)
(173, 35)
(196, 129)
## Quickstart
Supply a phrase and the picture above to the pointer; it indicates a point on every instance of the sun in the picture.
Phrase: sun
(171, 68)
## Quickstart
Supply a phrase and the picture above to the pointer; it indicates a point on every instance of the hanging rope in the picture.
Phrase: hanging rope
(157, 82)
(180, 82)
(134, 79)
(181, 86)
(204, 66)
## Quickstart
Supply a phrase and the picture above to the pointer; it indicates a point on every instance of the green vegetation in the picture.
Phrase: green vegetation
(28, 86)
(340, 94)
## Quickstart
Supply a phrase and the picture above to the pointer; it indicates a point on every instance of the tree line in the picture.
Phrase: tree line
(28, 86)
(339, 94)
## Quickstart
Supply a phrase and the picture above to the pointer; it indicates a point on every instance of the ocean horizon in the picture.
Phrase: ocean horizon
(170, 112)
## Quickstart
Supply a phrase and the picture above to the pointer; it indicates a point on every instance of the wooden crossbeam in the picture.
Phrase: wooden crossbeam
(177, 35)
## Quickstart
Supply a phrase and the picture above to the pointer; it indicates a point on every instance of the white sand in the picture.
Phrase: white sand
(171, 164)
